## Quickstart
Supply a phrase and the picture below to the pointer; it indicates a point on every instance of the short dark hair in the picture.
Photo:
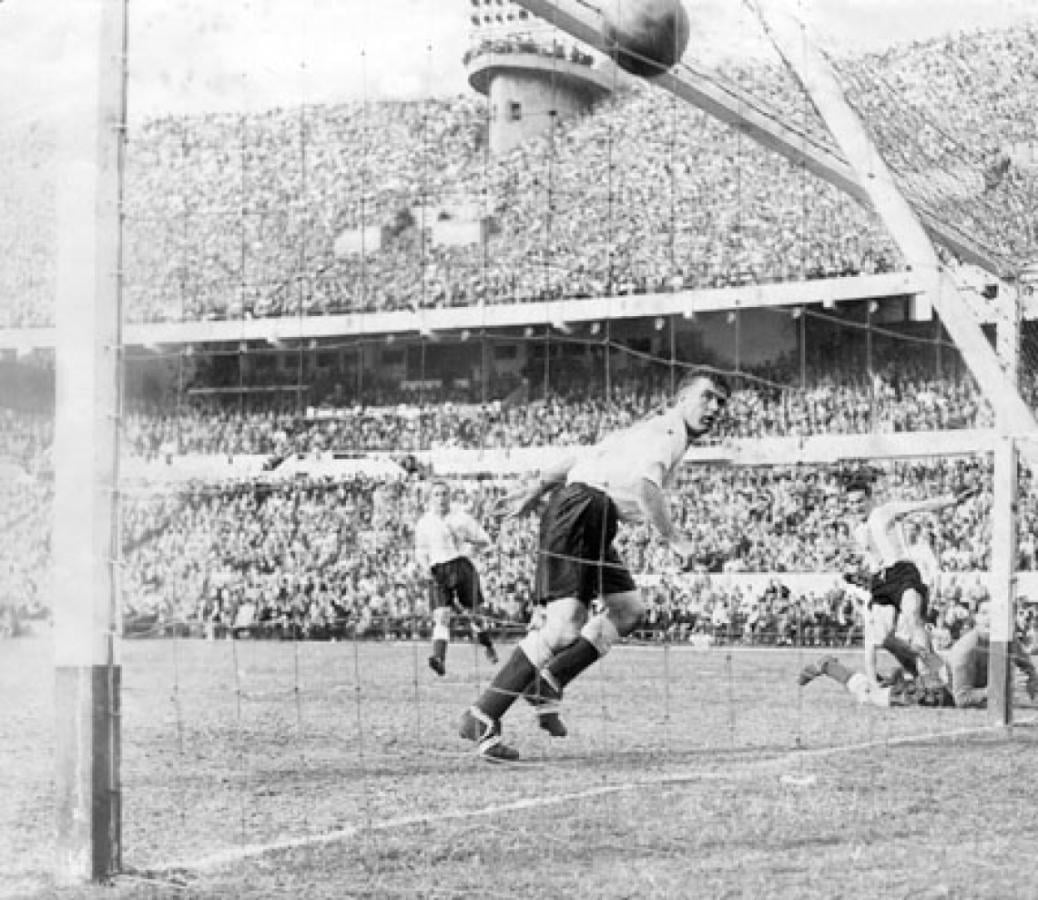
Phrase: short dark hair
(701, 373)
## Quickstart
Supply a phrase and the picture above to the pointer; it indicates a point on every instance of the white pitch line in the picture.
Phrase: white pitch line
(763, 650)
(238, 854)
(892, 742)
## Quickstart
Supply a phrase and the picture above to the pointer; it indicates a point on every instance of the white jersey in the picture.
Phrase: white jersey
(439, 539)
(467, 530)
(647, 451)
(881, 539)
(921, 553)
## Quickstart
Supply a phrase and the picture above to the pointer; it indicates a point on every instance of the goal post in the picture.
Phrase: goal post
(863, 174)
(897, 214)
(1012, 415)
(85, 531)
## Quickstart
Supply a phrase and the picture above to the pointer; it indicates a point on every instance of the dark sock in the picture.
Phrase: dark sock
(573, 660)
(439, 649)
(541, 691)
(837, 670)
(509, 682)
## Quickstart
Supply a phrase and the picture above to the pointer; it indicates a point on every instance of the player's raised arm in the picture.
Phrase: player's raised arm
(422, 546)
(472, 532)
(654, 505)
(899, 509)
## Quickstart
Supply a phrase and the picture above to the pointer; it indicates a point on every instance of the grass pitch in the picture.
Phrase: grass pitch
(333, 770)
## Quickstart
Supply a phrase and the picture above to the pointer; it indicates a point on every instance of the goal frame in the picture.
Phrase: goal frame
(864, 175)
(85, 543)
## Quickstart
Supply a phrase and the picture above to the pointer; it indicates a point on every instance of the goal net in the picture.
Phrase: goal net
(329, 304)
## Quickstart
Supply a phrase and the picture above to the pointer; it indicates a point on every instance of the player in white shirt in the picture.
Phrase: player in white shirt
(622, 478)
(443, 540)
(897, 608)
(920, 544)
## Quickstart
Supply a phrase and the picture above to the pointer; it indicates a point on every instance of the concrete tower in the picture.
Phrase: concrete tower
(529, 72)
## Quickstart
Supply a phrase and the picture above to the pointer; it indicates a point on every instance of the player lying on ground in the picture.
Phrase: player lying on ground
(962, 681)
(622, 478)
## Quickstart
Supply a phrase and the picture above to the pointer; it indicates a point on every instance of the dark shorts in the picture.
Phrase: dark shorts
(576, 557)
(889, 586)
(456, 583)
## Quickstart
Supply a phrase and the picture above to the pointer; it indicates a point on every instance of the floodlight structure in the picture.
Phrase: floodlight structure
(530, 84)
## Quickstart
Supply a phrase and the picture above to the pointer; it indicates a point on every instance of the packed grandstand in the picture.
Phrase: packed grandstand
(258, 217)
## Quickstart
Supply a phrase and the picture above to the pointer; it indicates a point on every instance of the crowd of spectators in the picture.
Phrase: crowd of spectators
(231, 216)
(25, 438)
(527, 43)
(28, 232)
(211, 542)
(324, 558)
(966, 174)
(903, 396)
(25, 510)
(313, 558)
(598, 207)
(240, 215)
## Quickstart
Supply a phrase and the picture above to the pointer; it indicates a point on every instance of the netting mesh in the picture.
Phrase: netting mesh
(953, 155)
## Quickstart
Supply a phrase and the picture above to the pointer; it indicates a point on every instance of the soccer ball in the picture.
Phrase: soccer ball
(645, 37)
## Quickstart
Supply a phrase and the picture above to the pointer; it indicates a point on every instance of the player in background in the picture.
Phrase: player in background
(962, 680)
(444, 538)
(621, 478)
(897, 608)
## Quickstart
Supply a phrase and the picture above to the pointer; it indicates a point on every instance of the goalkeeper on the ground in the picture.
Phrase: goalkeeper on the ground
(962, 681)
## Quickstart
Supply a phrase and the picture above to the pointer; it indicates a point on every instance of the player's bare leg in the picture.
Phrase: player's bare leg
(858, 685)
(880, 625)
(911, 629)
(441, 637)
(906, 655)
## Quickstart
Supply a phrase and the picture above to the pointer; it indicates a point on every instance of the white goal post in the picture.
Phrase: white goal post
(85, 541)
(863, 174)
(1012, 415)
